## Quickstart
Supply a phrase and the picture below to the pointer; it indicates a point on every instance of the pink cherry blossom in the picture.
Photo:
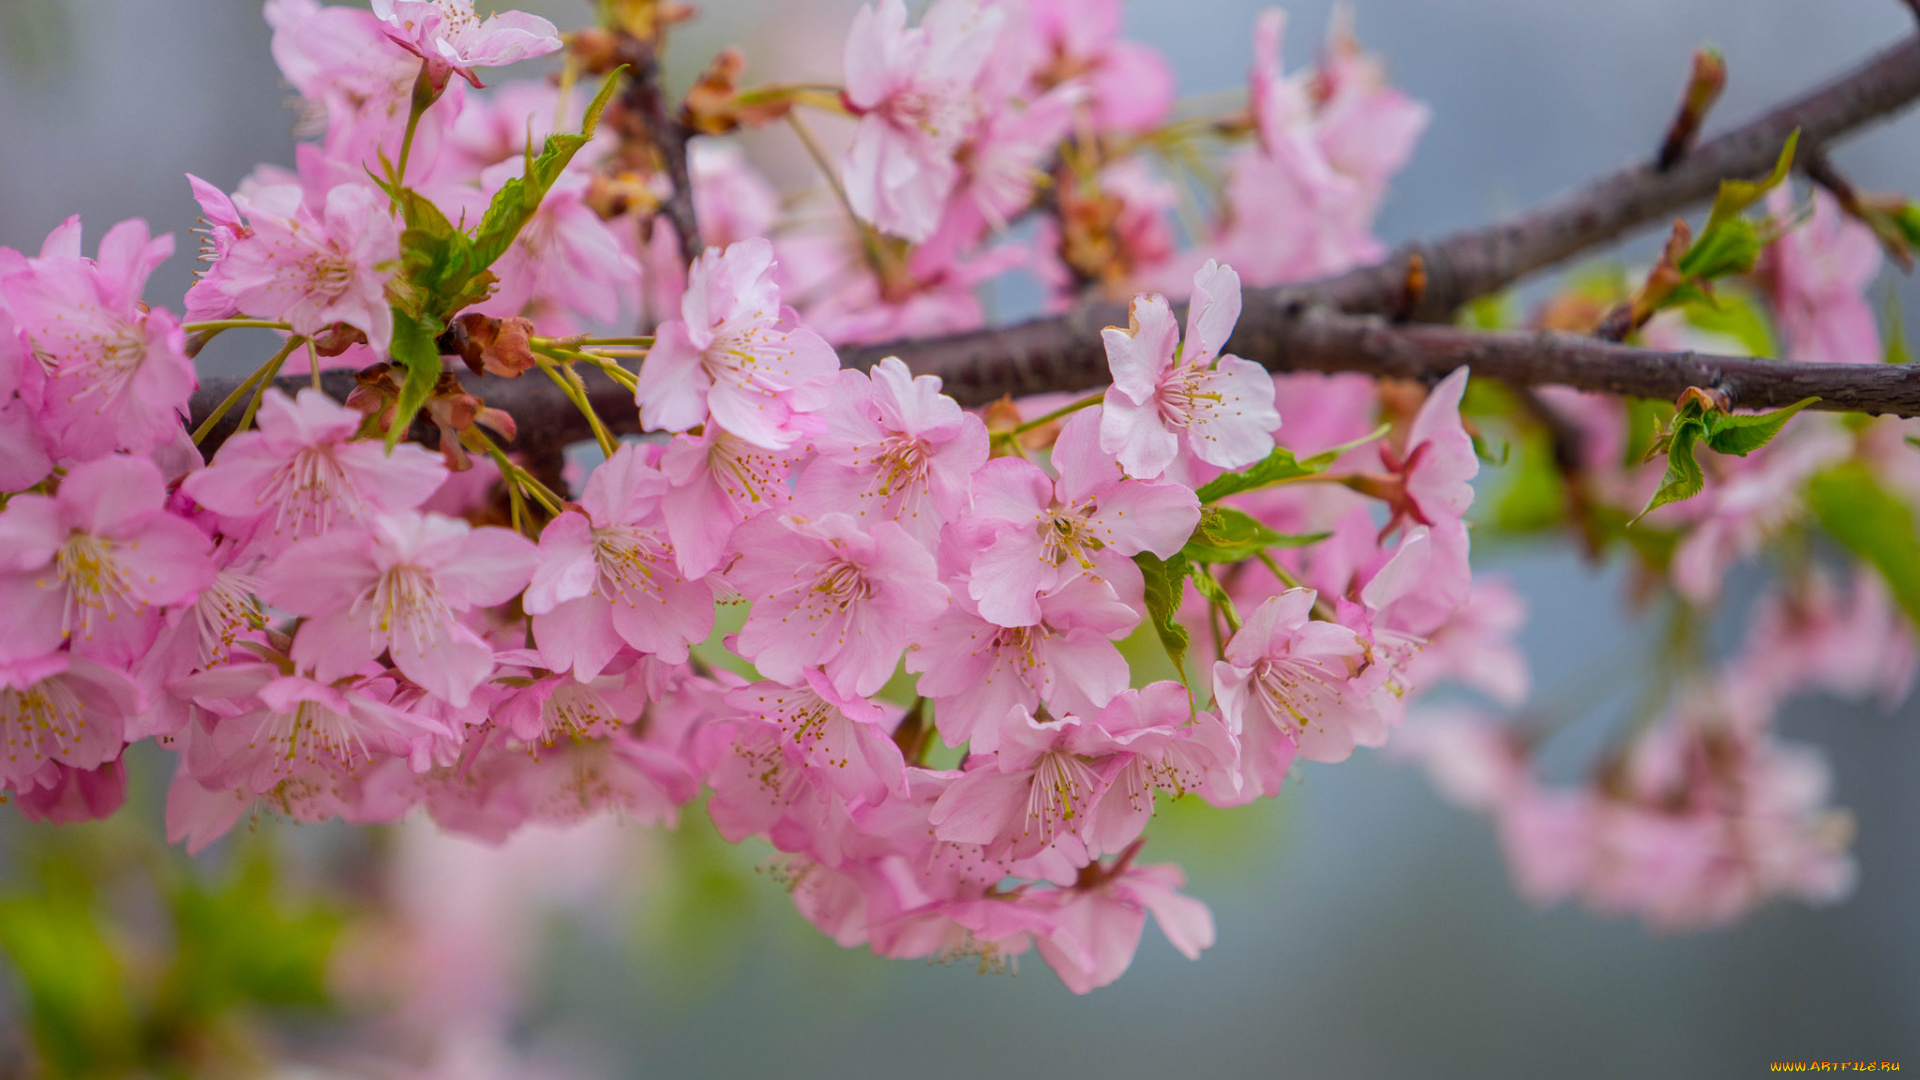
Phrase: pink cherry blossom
(843, 741)
(828, 593)
(117, 373)
(1166, 393)
(1096, 926)
(314, 270)
(1287, 685)
(272, 727)
(1091, 520)
(1038, 791)
(452, 39)
(915, 93)
(342, 64)
(95, 562)
(1175, 750)
(717, 481)
(61, 710)
(1817, 276)
(397, 584)
(735, 354)
(895, 449)
(25, 448)
(976, 672)
(67, 796)
(302, 473)
(1132, 85)
(607, 576)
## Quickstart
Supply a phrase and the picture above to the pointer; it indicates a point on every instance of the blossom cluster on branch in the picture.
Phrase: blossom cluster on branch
(884, 633)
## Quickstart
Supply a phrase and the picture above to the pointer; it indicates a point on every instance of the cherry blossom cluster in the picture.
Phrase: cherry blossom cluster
(879, 632)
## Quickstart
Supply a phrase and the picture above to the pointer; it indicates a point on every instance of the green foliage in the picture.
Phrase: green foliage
(1896, 320)
(1226, 535)
(237, 944)
(1731, 247)
(414, 348)
(1738, 434)
(82, 1023)
(1278, 467)
(1738, 314)
(1870, 522)
(1166, 586)
(1736, 195)
(514, 205)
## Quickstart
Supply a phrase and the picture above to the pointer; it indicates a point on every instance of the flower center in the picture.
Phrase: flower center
(97, 585)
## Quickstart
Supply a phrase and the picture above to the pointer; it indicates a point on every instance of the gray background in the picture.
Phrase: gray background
(1366, 929)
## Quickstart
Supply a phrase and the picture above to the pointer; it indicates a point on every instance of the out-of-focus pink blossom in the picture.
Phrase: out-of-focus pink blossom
(68, 796)
(735, 354)
(1167, 393)
(1132, 84)
(1816, 275)
(567, 268)
(914, 90)
(453, 40)
(302, 474)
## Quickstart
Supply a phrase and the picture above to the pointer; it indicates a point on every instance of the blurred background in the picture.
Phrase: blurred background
(1366, 928)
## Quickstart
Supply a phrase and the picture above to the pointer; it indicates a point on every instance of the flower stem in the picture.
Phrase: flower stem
(253, 381)
(1064, 410)
(217, 325)
(270, 372)
(424, 95)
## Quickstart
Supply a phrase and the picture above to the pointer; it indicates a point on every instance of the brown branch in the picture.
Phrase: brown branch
(1302, 328)
(644, 99)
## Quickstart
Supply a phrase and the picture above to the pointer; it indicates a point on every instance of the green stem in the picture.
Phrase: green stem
(424, 95)
(519, 476)
(569, 383)
(217, 325)
(1064, 410)
(876, 258)
(252, 381)
(271, 370)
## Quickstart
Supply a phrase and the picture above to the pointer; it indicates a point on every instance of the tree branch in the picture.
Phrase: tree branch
(647, 102)
(1321, 326)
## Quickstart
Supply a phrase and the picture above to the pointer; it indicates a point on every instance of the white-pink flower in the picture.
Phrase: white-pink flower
(314, 270)
(1167, 393)
(452, 39)
(1817, 276)
(303, 473)
(915, 91)
(397, 584)
(735, 354)
(1096, 927)
(826, 592)
(1038, 791)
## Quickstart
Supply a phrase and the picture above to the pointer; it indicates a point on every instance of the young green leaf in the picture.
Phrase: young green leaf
(1870, 522)
(414, 348)
(1684, 478)
(1166, 586)
(1727, 247)
(1737, 195)
(1742, 434)
(1226, 535)
(517, 201)
(1278, 467)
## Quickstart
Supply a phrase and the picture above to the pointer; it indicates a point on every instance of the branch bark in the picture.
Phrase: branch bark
(647, 101)
(1328, 325)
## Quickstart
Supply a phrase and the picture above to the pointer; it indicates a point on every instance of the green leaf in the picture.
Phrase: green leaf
(1907, 220)
(1684, 478)
(414, 348)
(1742, 434)
(1645, 419)
(515, 203)
(1278, 467)
(242, 944)
(1737, 195)
(1737, 314)
(1727, 247)
(1871, 523)
(1896, 318)
(1226, 535)
(82, 1024)
(1166, 586)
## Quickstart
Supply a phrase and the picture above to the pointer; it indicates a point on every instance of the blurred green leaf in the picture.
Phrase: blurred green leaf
(1736, 195)
(1166, 586)
(82, 1022)
(1226, 535)
(1870, 522)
